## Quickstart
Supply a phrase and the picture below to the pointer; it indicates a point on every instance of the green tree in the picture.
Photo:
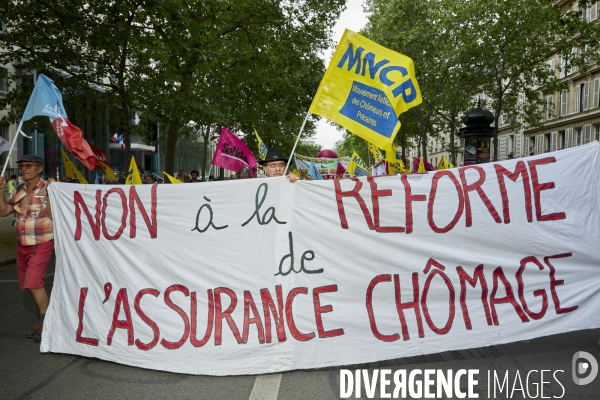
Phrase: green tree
(516, 38)
(244, 65)
(80, 45)
(351, 143)
(464, 48)
(436, 42)
(240, 64)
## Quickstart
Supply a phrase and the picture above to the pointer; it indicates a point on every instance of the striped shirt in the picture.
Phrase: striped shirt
(33, 224)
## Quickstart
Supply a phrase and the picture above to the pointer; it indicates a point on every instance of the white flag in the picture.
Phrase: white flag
(5, 145)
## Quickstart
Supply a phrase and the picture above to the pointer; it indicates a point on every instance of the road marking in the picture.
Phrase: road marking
(16, 280)
(266, 387)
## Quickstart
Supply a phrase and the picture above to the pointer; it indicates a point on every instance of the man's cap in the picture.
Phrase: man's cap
(31, 158)
(274, 154)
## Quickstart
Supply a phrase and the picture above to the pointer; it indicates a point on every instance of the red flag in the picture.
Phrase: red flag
(231, 153)
(72, 138)
(100, 156)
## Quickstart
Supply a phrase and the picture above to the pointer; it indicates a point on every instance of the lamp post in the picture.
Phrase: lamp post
(477, 135)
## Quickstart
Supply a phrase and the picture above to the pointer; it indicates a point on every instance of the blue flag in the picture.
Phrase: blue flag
(313, 171)
(45, 100)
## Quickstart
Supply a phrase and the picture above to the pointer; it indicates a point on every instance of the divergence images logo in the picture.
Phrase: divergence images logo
(580, 367)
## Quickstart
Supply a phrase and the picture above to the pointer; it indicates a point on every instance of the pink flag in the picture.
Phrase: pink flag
(231, 153)
(428, 166)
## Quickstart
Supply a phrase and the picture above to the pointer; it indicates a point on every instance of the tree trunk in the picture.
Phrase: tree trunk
(126, 132)
(205, 137)
(170, 147)
(495, 138)
(423, 138)
(403, 156)
(452, 146)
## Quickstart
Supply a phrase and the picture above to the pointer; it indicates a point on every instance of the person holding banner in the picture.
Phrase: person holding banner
(244, 172)
(150, 180)
(35, 232)
(274, 165)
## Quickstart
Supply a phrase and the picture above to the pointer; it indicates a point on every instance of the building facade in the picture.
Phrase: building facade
(570, 118)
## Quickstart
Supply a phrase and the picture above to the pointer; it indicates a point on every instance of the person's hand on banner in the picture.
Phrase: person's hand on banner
(293, 178)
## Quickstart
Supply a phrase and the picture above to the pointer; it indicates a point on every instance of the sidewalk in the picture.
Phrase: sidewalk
(8, 242)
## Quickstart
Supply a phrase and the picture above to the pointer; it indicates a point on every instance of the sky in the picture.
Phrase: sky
(353, 18)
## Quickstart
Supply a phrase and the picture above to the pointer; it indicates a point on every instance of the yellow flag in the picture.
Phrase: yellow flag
(377, 154)
(393, 155)
(262, 148)
(133, 176)
(443, 164)
(421, 166)
(450, 165)
(365, 88)
(172, 179)
(357, 167)
(70, 170)
(110, 174)
(296, 173)
(397, 167)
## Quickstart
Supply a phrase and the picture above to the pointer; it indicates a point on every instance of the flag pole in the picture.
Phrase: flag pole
(295, 144)
(12, 146)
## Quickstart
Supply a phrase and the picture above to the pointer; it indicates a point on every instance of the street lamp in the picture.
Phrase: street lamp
(477, 134)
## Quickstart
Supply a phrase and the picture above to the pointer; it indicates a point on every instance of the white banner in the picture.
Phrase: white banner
(261, 275)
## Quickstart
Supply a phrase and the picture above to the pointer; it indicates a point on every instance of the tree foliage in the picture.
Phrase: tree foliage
(465, 48)
(516, 40)
(434, 40)
(242, 64)
(351, 143)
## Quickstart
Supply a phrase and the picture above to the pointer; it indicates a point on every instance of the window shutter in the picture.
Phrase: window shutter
(577, 98)
(596, 92)
(586, 95)
(553, 140)
(552, 72)
(517, 144)
(568, 138)
(587, 134)
(594, 11)
(563, 103)
(502, 147)
(573, 68)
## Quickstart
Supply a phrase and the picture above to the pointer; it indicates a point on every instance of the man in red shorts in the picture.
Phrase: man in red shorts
(34, 231)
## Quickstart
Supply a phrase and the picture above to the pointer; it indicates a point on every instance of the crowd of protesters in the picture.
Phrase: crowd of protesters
(273, 165)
